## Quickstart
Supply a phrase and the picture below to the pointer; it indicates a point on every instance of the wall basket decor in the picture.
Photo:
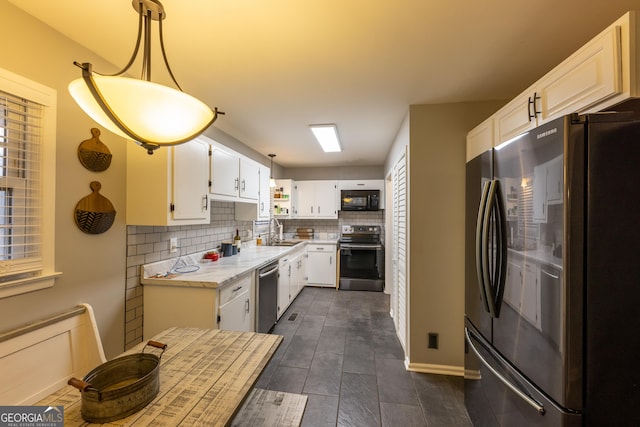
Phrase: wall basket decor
(94, 154)
(94, 213)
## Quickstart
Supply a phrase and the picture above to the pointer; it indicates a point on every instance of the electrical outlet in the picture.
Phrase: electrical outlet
(433, 340)
(173, 244)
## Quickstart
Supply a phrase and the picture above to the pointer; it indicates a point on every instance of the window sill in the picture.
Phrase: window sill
(22, 286)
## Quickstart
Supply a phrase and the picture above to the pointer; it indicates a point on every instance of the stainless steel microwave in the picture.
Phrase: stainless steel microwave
(360, 200)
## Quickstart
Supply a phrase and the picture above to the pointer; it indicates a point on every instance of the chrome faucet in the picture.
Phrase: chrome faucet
(278, 229)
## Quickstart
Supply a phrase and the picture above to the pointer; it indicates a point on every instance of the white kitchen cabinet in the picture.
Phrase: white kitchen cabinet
(235, 306)
(229, 307)
(298, 274)
(257, 211)
(321, 264)
(317, 199)
(169, 187)
(586, 78)
(480, 138)
(234, 177)
(284, 284)
(264, 193)
(284, 199)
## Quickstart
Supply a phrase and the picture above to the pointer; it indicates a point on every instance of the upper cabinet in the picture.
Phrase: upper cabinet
(234, 177)
(587, 77)
(600, 75)
(169, 187)
(264, 193)
(317, 199)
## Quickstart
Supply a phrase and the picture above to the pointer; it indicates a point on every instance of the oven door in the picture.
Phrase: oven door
(361, 266)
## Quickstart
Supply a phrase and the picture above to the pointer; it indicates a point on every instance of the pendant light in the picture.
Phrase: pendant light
(272, 182)
(150, 114)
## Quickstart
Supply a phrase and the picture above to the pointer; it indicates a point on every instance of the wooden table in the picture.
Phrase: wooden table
(205, 376)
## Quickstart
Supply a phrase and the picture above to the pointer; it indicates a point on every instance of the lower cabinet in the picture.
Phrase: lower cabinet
(291, 278)
(229, 307)
(235, 306)
(321, 264)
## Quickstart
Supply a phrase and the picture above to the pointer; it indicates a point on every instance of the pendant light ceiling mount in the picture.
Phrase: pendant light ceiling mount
(148, 113)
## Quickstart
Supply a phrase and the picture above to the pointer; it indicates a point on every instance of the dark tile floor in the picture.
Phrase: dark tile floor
(340, 349)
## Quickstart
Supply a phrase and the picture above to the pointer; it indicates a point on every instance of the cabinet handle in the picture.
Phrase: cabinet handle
(237, 184)
(311, 209)
(206, 202)
(237, 289)
(330, 260)
(243, 185)
(318, 209)
(246, 305)
(532, 103)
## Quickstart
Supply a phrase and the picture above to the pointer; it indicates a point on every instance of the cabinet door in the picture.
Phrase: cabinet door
(305, 196)
(514, 118)
(190, 180)
(236, 314)
(249, 184)
(321, 268)
(326, 199)
(585, 78)
(284, 283)
(480, 139)
(264, 196)
(225, 179)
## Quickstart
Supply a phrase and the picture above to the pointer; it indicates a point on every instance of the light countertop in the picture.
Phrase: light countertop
(218, 273)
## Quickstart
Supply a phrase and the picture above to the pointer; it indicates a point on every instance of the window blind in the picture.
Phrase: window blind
(20, 186)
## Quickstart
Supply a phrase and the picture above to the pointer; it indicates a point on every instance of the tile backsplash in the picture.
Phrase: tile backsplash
(147, 244)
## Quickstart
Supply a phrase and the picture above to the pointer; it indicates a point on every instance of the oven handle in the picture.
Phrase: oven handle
(355, 246)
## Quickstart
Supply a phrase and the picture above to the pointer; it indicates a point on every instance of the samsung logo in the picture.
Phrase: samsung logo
(547, 133)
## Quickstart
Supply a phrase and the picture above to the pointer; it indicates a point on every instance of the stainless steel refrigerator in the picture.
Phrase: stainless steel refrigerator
(552, 296)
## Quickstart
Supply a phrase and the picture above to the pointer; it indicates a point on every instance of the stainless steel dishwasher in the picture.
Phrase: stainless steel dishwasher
(267, 297)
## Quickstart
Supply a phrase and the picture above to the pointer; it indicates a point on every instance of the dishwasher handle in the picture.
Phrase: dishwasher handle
(268, 272)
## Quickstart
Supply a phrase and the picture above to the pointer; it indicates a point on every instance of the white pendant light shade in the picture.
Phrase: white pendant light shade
(148, 113)
(154, 112)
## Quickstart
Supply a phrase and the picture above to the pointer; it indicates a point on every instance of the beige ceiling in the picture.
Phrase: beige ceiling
(276, 66)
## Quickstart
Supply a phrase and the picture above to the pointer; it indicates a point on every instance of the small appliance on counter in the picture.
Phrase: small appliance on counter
(361, 258)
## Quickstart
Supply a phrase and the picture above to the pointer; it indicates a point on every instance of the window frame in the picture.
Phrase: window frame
(47, 97)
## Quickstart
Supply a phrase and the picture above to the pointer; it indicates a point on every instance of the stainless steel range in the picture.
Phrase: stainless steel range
(361, 258)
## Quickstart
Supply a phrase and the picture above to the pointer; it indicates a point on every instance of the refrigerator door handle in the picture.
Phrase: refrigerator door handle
(523, 395)
(493, 262)
(481, 242)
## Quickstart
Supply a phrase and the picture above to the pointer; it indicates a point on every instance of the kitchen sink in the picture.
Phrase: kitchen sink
(285, 243)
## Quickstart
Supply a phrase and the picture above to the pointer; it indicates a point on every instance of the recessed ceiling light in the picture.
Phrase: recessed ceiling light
(327, 136)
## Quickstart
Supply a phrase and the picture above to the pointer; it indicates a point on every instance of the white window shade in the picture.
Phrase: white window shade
(20, 207)
(27, 185)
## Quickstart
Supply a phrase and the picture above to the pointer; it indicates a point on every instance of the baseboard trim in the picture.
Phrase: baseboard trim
(472, 374)
(427, 368)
